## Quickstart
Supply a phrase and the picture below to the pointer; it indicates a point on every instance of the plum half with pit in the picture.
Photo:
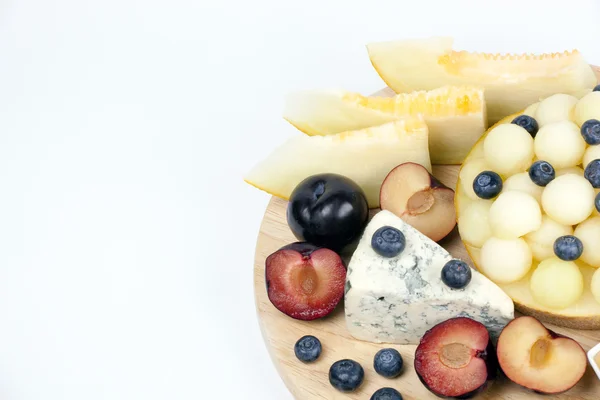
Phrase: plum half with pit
(537, 358)
(419, 199)
(456, 358)
(328, 210)
(305, 281)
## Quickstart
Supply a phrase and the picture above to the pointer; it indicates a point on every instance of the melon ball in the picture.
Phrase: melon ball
(560, 143)
(595, 286)
(592, 153)
(475, 153)
(568, 199)
(542, 240)
(555, 108)
(473, 224)
(514, 214)
(521, 182)
(587, 108)
(505, 261)
(468, 173)
(530, 110)
(571, 170)
(589, 234)
(508, 149)
(556, 283)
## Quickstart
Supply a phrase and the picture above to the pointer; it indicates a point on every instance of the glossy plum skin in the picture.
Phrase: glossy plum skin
(328, 210)
(303, 248)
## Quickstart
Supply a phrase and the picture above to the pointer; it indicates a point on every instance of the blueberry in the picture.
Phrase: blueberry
(388, 241)
(592, 173)
(528, 123)
(456, 274)
(386, 394)
(487, 185)
(388, 363)
(597, 88)
(346, 375)
(568, 248)
(597, 202)
(541, 173)
(590, 130)
(308, 348)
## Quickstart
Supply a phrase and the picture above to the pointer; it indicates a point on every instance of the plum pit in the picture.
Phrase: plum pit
(540, 352)
(455, 355)
(420, 202)
(308, 280)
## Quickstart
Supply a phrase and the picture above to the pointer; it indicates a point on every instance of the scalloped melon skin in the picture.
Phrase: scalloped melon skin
(511, 82)
(571, 317)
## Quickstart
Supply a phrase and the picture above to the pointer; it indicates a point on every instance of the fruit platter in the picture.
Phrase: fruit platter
(439, 238)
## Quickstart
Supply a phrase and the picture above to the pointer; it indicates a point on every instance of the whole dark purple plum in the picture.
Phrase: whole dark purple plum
(328, 210)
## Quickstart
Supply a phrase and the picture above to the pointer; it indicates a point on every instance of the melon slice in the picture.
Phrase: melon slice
(366, 156)
(511, 82)
(580, 309)
(456, 116)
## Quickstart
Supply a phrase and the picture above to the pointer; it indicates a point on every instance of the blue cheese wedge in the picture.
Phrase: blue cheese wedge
(396, 300)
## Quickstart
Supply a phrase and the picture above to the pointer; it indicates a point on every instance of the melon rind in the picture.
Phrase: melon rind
(511, 82)
(584, 314)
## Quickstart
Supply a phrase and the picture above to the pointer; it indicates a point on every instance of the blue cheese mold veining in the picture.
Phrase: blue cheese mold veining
(397, 299)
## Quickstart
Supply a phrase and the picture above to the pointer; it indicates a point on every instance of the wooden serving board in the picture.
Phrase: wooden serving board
(311, 381)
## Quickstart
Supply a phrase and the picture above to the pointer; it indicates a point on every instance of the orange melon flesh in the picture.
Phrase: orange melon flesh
(511, 82)
(455, 116)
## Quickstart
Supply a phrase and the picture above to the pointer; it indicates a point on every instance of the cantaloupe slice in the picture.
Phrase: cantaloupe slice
(366, 156)
(511, 82)
(456, 116)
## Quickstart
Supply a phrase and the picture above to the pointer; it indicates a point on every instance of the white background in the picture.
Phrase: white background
(126, 233)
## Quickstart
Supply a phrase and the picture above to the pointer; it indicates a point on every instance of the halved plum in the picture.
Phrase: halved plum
(304, 281)
(537, 358)
(416, 196)
(456, 358)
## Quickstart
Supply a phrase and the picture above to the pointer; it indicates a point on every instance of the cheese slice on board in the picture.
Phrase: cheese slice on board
(396, 300)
